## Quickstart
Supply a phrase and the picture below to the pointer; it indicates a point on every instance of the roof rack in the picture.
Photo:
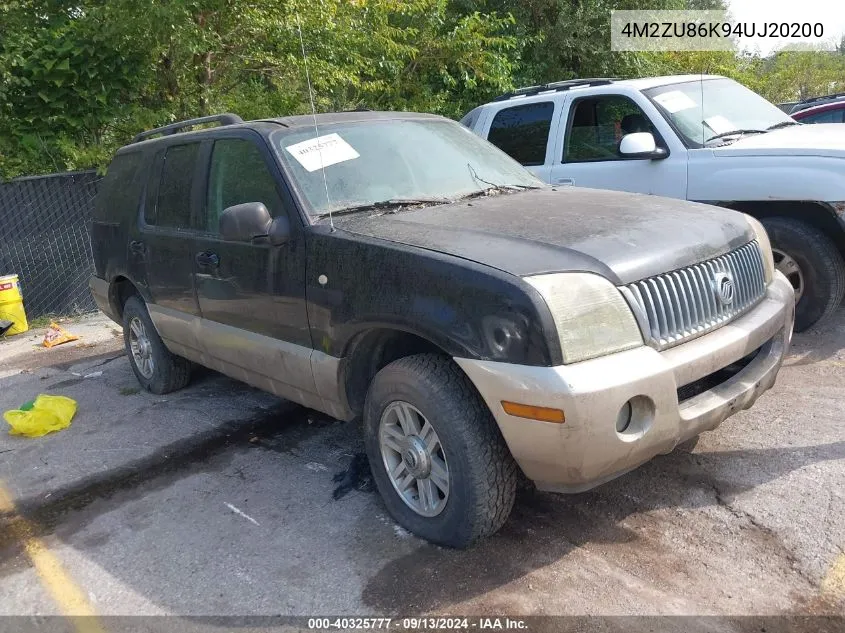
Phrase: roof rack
(556, 86)
(174, 128)
(806, 103)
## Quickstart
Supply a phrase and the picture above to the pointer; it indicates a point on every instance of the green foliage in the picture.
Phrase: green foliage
(79, 78)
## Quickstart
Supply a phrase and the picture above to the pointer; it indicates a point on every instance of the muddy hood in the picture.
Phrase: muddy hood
(623, 236)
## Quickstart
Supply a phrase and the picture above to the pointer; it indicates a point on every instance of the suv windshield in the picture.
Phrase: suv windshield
(377, 163)
(717, 110)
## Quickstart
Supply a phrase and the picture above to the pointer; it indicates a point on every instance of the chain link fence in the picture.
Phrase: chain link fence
(44, 239)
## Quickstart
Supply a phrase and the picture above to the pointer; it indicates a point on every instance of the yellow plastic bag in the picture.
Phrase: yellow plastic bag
(56, 335)
(48, 414)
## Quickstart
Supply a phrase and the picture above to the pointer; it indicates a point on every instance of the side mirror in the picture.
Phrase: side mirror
(279, 231)
(244, 222)
(640, 145)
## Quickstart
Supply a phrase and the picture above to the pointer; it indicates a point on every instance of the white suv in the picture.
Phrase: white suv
(702, 138)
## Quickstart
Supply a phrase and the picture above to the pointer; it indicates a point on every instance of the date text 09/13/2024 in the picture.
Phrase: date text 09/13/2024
(417, 623)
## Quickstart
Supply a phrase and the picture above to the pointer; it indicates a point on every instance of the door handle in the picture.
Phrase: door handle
(207, 258)
(137, 247)
(565, 181)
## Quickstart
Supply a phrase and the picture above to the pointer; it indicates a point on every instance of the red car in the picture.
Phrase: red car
(821, 110)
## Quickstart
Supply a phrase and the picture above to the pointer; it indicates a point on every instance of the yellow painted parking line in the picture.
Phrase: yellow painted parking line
(70, 598)
(834, 582)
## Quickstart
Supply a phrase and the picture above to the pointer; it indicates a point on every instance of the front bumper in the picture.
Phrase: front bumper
(586, 450)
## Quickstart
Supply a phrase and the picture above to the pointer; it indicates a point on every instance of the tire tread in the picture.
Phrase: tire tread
(171, 372)
(832, 266)
(494, 471)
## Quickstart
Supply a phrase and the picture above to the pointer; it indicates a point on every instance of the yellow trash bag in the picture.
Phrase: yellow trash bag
(56, 335)
(44, 415)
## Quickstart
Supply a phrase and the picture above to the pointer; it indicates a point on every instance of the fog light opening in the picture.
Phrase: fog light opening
(623, 418)
(634, 418)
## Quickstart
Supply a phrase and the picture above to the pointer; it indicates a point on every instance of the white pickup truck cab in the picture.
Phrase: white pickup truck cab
(700, 137)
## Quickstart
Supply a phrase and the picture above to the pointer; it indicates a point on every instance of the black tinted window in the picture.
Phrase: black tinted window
(523, 131)
(239, 174)
(829, 116)
(152, 188)
(119, 194)
(174, 191)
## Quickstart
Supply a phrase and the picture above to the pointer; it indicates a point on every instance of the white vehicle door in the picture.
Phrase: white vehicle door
(522, 130)
(592, 128)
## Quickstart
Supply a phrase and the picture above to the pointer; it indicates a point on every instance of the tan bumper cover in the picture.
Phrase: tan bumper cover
(586, 450)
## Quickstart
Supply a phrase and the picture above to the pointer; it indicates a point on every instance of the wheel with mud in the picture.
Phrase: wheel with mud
(812, 264)
(436, 453)
(156, 368)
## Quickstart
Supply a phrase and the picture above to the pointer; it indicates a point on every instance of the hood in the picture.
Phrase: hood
(821, 139)
(622, 236)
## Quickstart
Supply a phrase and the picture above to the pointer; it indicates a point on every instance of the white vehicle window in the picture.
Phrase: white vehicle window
(597, 125)
(716, 110)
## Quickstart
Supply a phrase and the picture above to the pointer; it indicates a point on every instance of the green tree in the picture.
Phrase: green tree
(80, 78)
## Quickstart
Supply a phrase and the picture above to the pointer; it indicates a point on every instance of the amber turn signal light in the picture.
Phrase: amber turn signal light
(544, 414)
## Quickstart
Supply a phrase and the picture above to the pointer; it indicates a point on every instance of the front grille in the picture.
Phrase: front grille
(680, 305)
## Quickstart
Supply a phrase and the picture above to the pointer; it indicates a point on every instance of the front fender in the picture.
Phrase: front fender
(466, 309)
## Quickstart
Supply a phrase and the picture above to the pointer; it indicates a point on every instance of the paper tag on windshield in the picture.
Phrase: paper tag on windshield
(719, 124)
(675, 101)
(322, 152)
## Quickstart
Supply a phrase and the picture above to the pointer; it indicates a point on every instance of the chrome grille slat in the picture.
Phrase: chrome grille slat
(682, 304)
(662, 328)
(741, 275)
(749, 276)
(668, 306)
(678, 286)
(701, 289)
(686, 281)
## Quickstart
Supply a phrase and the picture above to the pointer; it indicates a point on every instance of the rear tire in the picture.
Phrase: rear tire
(819, 279)
(156, 368)
(467, 446)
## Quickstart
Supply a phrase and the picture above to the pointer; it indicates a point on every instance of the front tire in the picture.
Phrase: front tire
(813, 265)
(156, 368)
(436, 453)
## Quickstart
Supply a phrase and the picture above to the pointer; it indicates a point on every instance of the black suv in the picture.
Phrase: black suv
(398, 269)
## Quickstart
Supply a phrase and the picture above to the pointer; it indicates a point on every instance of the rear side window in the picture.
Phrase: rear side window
(829, 116)
(173, 206)
(523, 131)
(239, 174)
(120, 191)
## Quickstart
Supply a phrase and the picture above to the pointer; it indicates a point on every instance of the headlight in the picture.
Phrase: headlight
(590, 314)
(765, 247)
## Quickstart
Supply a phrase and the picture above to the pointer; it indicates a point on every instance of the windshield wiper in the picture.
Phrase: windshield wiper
(494, 186)
(384, 205)
(777, 126)
(734, 133)
(497, 189)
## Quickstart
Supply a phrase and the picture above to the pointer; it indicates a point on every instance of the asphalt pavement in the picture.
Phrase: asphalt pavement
(223, 500)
